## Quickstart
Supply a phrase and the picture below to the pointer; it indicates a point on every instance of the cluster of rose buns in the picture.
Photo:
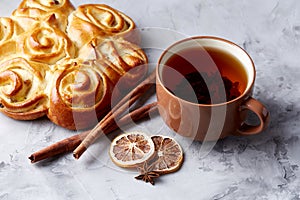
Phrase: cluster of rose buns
(65, 63)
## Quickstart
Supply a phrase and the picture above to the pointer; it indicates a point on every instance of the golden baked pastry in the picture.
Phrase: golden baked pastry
(9, 29)
(54, 11)
(66, 64)
(45, 44)
(85, 86)
(23, 85)
(90, 21)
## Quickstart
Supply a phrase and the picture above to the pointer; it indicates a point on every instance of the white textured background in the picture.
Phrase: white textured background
(265, 166)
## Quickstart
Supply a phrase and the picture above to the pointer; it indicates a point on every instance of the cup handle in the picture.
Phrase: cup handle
(262, 113)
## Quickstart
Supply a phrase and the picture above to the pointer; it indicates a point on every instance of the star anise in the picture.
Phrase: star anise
(147, 174)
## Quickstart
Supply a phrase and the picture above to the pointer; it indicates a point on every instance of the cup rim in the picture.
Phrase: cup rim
(247, 90)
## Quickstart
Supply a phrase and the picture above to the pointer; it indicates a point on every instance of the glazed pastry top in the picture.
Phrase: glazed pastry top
(65, 63)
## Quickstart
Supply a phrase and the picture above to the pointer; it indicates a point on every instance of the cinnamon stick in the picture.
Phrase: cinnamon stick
(58, 148)
(69, 144)
(115, 112)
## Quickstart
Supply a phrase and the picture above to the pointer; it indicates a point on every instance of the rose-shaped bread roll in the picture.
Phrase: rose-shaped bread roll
(45, 44)
(30, 11)
(22, 89)
(81, 93)
(83, 90)
(66, 64)
(127, 62)
(94, 20)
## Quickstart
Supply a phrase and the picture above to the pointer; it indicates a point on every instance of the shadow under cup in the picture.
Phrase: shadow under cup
(204, 87)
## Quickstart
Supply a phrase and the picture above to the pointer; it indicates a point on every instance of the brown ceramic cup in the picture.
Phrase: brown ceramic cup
(207, 122)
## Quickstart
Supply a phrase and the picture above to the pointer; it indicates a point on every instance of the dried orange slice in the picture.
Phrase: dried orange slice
(169, 155)
(131, 149)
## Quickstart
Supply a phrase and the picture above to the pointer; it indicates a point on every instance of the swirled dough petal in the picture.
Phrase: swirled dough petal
(81, 94)
(30, 11)
(93, 20)
(8, 29)
(22, 88)
(120, 58)
(45, 44)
